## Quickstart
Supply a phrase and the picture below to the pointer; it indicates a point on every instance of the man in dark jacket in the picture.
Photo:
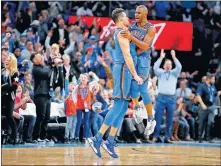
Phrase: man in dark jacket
(60, 36)
(41, 75)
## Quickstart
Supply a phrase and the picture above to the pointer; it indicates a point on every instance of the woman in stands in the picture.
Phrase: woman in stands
(9, 83)
(83, 98)
(19, 119)
(28, 85)
(21, 100)
(99, 106)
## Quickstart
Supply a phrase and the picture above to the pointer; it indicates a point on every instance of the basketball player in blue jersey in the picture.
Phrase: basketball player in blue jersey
(142, 33)
(123, 72)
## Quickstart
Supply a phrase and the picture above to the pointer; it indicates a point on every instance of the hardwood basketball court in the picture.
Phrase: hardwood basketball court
(129, 154)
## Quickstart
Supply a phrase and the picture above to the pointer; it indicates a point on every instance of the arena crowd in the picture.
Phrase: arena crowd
(38, 40)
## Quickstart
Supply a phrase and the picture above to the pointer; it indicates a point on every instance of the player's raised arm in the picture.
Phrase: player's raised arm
(125, 47)
(146, 43)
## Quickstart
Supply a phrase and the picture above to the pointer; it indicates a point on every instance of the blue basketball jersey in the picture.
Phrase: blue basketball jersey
(118, 54)
(140, 33)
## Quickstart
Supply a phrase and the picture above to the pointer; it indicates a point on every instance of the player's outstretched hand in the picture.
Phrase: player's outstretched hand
(138, 79)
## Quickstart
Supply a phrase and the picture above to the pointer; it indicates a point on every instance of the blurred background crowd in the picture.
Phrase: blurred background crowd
(43, 27)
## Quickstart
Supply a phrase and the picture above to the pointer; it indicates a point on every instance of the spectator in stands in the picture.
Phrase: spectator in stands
(31, 36)
(84, 11)
(21, 63)
(184, 126)
(176, 117)
(88, 60)
(134, 131)
(68, 68)
(56, 62)
(60, 36)
(26, 53)
(183, 91)
(9, 82)
(28, 85)
(83, 99)
(161, 8)
(110, 80)
(129, 127)
(55, 8)
(57, 98)
(77, 63)
(8, 14)
(29, 119)
(152, 89)
(9, 36)
(22, 98)
(19, 119)
(96, 119)
(70, 110)
(43, 27)
(206, 94)
(192, 109)
(38, 48)
(100, 69)
(3, 58)
(41, 75)
(166, 99)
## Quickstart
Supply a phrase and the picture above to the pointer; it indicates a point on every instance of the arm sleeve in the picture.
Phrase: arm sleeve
(199, 90)
(108, 72)
(157, 69)
(42, 72)
(101, 99)
(9, 88)
(47, 42)
(177, 69)
(66, 84)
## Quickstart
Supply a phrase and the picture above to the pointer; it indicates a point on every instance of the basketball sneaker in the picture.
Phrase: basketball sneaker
(109, 147)
(95, 145)
(150, 127)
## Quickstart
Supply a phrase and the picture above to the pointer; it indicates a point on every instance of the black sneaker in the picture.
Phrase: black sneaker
(167, 141)
(200, 140)
(31, 141)
(211, 141)
(83, 141)
(66, 141)
(72, 140)
(77, 141)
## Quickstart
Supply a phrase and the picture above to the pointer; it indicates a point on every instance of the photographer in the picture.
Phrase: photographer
(206, 96)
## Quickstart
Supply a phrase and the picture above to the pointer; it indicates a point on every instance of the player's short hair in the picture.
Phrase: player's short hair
(116, 13)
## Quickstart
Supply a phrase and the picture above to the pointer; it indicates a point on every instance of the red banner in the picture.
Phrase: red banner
(170, 35)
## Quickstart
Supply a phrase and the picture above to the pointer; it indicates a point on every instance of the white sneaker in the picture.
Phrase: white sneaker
(150, 127)
(40, 140)
(47, 140)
